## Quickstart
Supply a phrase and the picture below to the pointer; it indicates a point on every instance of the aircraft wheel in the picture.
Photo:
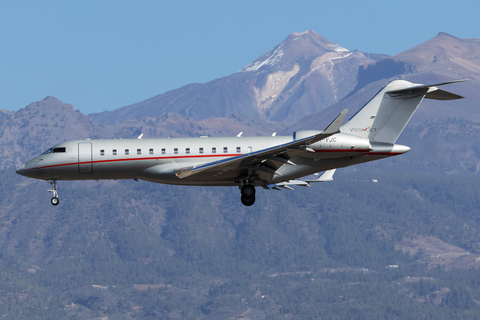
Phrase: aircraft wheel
(248, 201)
(248, 191)
(55, 201)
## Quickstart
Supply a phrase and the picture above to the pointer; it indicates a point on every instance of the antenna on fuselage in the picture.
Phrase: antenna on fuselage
(240, 134)
(140, 136)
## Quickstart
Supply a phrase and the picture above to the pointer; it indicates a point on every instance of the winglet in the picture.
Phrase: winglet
(334, 126)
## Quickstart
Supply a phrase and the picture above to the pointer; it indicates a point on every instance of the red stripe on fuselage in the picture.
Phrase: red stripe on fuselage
(202, 156)
(137, 159)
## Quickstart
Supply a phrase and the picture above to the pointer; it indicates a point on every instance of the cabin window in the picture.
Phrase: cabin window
(187, 151)
(151, 151)
(163, 151)
(214, 150)
(127, 152)
(102, 152)
(114, 152)
(175, 150)
(225, 150)
(139, 151)
(200, 150)
(239, 149)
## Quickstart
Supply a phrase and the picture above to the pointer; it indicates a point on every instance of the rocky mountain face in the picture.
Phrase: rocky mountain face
(303, 74)
(445, 55)
(440, 59)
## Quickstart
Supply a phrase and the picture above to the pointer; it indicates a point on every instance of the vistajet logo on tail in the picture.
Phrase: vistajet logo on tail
(367, 129)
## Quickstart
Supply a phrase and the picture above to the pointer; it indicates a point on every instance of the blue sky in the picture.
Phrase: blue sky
(102, 55)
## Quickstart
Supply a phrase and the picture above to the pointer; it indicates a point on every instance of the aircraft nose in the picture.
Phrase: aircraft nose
(21, 170)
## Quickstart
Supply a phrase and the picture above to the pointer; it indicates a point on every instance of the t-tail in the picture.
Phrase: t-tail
(385, 116)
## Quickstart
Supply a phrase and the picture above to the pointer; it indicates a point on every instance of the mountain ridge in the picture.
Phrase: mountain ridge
(307, 73)
(304, 73)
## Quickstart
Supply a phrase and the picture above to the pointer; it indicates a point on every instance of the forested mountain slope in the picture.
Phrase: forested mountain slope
(88, 253)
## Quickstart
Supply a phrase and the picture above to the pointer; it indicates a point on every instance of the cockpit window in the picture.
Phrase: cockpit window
(55, 150)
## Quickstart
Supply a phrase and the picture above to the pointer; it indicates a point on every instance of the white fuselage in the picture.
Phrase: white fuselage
(158, 160)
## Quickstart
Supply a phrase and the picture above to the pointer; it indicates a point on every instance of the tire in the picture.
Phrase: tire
(55, 201)
(248, 201)
(248, 191)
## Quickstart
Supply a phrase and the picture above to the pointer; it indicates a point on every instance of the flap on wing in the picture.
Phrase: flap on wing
(253, 158)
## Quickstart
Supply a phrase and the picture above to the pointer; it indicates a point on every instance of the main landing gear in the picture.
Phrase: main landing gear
(248, 195)
(54, 200)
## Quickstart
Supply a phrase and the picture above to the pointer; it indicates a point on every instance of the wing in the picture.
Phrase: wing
(265, 161)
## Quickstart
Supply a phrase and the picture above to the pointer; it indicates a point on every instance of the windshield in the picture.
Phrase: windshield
(55, 150)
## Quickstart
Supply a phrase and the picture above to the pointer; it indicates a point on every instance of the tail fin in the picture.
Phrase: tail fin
(385, 116)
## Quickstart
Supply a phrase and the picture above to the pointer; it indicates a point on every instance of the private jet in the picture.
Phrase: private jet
(270, 162)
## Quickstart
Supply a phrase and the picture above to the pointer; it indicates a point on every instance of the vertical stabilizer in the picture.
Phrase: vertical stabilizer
(384, 117)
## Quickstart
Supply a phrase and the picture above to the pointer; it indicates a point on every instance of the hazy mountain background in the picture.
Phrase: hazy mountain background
(405, 247)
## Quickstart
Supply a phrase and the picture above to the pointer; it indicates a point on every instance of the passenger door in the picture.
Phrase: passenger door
(85, 157)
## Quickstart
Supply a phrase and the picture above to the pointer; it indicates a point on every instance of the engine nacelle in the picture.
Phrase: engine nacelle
(335, 146)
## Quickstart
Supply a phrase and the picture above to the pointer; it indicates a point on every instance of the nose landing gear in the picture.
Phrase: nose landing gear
(54, 200)
(248, 195)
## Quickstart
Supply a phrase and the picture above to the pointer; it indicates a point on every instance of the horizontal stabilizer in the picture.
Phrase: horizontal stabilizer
(429, 90)
(326, 176)
(442, 95)
(301, 183)
(284, 186)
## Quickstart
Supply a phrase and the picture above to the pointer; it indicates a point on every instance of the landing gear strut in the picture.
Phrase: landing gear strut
(54, 200)
(248, 195)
